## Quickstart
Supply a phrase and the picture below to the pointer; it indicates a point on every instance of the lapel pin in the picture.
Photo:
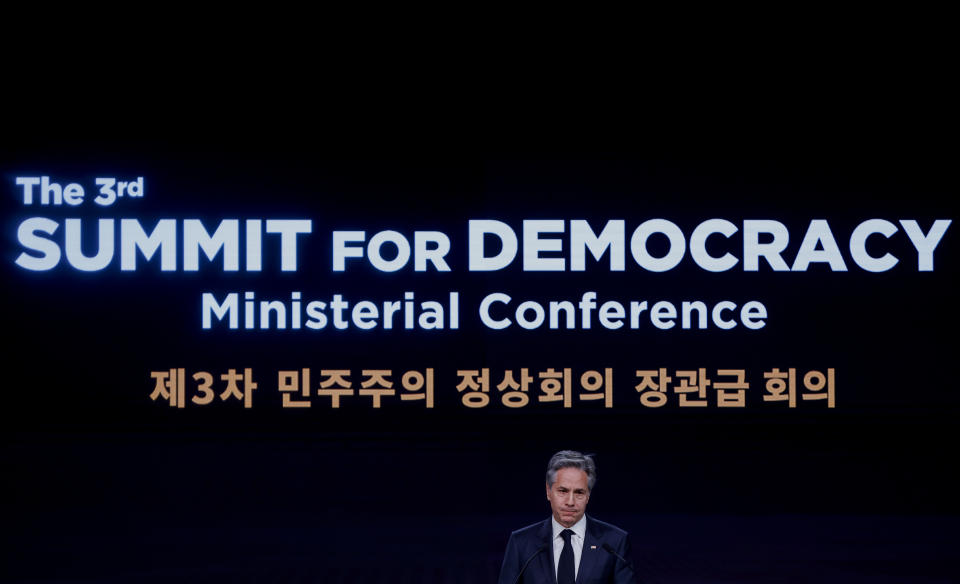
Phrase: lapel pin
(593, 547)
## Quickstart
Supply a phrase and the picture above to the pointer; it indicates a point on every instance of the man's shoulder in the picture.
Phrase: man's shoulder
(603, 526)
(532, 529)
(543, 527)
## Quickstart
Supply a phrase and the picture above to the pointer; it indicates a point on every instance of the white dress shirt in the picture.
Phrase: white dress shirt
(579, 531)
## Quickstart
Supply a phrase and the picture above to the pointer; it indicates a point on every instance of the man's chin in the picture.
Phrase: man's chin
(568, 520)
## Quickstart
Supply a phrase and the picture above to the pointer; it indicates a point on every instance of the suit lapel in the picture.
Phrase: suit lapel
(546, 558)
(589, 555)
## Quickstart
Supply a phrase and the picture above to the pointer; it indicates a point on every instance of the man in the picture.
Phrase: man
(568, 548)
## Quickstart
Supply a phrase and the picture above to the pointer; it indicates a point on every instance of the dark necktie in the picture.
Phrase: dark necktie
(565, 571)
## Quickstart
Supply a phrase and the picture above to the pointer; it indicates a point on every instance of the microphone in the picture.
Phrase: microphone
(613, 552)
(530, 559)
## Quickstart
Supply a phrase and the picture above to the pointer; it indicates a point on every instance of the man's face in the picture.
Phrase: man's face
(568, 496)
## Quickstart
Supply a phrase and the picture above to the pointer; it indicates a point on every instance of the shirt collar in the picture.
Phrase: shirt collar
(579, 528)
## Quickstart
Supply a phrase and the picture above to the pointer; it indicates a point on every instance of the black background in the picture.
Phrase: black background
(105, 485)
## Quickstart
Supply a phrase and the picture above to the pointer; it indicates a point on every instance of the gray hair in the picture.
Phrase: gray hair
(572, 459)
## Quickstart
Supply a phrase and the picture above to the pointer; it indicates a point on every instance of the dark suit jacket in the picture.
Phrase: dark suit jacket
(597, 565)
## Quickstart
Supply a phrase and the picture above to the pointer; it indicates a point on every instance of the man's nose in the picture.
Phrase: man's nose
(571, 500)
